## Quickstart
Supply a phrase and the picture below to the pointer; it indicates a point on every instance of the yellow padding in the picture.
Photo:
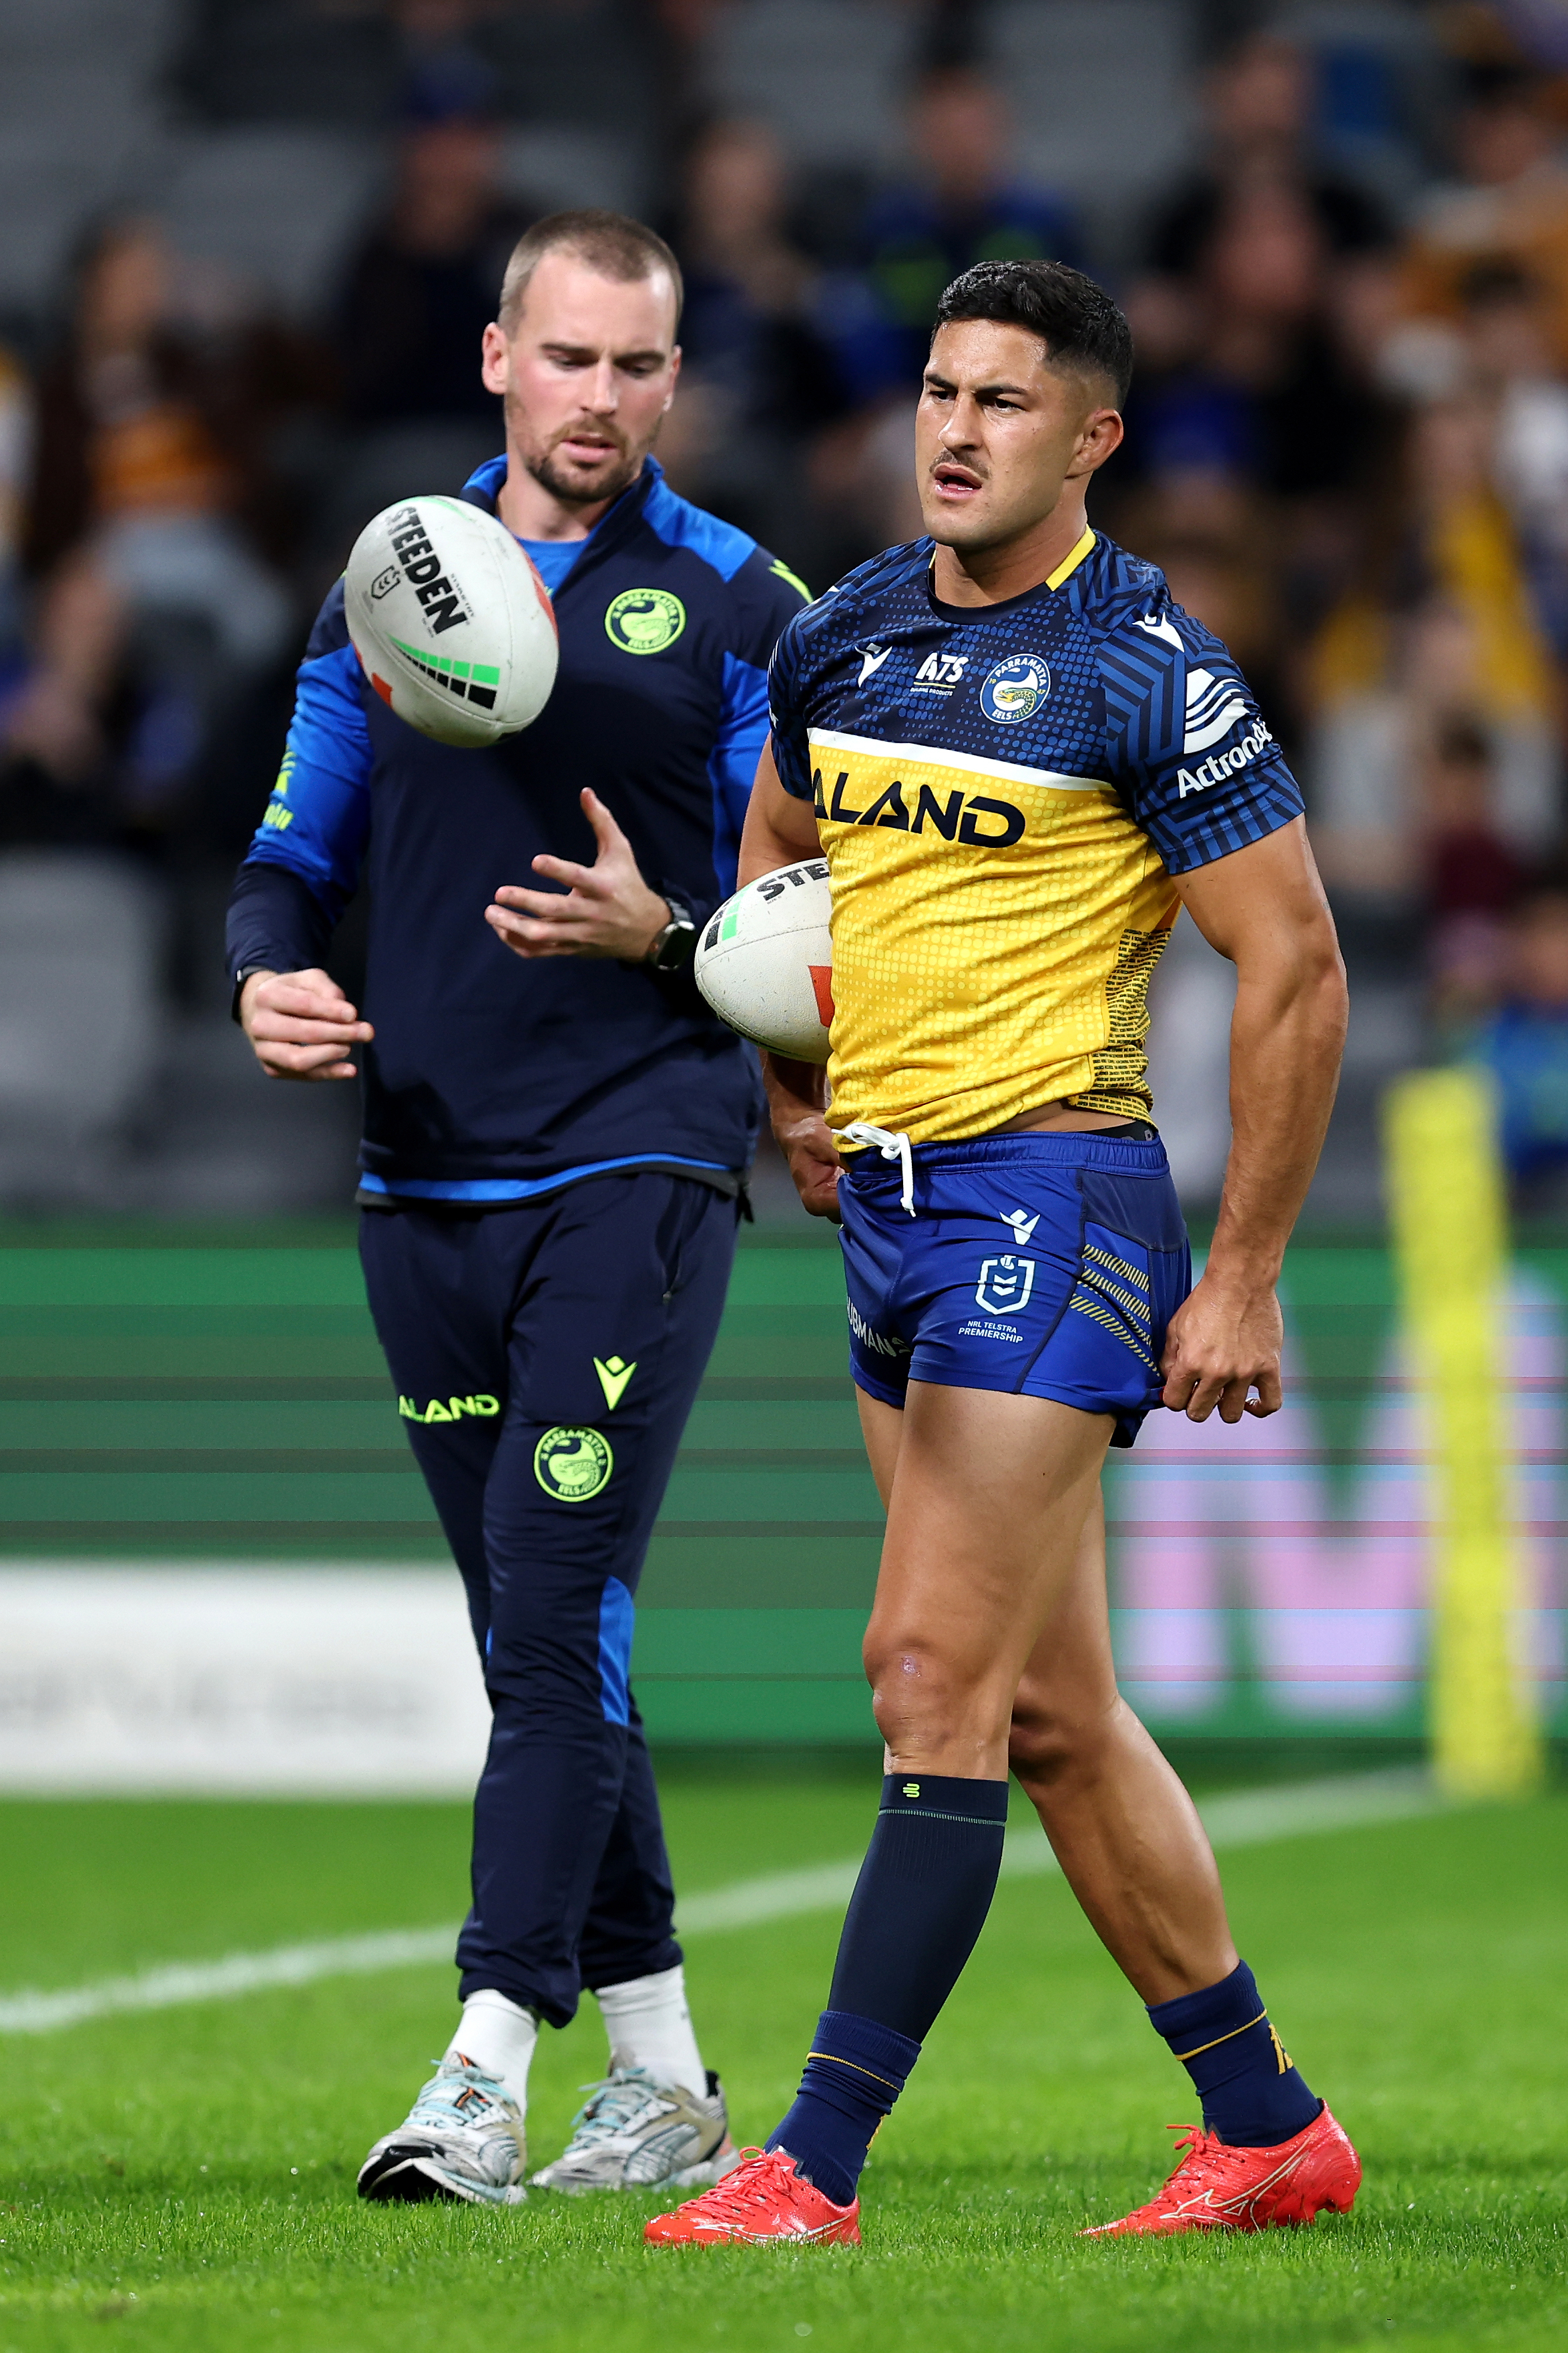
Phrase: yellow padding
(1445, 1185)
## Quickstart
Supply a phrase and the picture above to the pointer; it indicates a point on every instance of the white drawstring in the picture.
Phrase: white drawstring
(893, 1146)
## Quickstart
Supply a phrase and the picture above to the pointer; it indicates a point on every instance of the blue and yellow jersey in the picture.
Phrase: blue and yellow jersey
(1004, 793)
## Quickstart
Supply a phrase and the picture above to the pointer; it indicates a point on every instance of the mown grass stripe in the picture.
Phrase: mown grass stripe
(1246, 1818)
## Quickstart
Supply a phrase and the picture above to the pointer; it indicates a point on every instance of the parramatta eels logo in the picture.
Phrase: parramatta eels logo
(572, 1465)
(1015, 690)
(645, 620)
(1005, 1285)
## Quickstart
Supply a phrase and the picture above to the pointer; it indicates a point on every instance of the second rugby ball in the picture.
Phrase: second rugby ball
(452, 625)
(765, 961)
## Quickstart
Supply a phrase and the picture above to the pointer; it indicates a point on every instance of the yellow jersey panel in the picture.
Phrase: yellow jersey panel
(1004, 793)
(993, 931)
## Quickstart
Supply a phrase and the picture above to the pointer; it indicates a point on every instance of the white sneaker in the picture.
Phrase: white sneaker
(633, 2133)
(463, 2139)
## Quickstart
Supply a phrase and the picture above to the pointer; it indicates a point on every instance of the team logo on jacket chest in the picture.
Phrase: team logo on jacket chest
(1015, 690)
(644, 620)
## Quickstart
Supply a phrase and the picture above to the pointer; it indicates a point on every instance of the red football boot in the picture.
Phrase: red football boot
(1218, 2188)
(762, 2199)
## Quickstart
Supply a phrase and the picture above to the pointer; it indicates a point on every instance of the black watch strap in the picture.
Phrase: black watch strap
(676, 945)
(246, 972)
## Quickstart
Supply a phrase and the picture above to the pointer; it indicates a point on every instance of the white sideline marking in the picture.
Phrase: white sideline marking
(1249, 1818)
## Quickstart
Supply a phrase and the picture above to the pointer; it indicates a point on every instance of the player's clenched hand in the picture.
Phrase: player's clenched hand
(300, 1025)
(795, 1099)
(607, 909)
(1221, 1343)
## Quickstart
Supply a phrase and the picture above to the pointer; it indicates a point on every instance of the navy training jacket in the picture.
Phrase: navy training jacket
(490, 1080)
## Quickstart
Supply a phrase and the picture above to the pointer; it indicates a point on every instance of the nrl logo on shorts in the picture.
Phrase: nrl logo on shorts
(572, 1464)
(1005, 1285)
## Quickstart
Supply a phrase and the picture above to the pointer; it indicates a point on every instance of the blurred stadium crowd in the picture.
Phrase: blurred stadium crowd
(249, 248)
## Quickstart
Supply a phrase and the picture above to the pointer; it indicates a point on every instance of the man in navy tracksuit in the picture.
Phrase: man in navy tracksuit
(556, 1134)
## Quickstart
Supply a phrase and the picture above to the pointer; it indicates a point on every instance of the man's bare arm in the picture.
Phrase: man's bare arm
(779, 831)
(1264, 908)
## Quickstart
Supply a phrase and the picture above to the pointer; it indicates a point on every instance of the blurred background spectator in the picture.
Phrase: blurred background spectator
(251, 247)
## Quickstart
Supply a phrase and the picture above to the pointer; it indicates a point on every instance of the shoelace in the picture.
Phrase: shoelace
(439, 2098)
(893, 1144)
(616, 2102)
(744, 2188)
(1200, 2156)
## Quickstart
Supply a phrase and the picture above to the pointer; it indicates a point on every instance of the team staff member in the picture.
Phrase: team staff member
(555, 1141)
(1085, 759)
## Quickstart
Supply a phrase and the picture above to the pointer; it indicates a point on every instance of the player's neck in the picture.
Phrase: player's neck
(531, 512)
(990, 576)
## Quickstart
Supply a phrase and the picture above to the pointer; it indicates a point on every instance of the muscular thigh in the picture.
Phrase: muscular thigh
(989, 1496)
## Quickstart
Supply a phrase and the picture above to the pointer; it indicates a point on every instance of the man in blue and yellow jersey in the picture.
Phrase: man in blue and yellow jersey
(1020, 759)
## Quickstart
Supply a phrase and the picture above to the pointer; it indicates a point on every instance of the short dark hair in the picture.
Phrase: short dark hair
(612, 243)
(1076, 320)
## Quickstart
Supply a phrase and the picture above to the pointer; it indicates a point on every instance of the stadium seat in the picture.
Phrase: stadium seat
(79, 943)
(826, 73)
(1086, 124)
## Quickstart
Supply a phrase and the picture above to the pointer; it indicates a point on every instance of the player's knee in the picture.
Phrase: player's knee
(919, 1696)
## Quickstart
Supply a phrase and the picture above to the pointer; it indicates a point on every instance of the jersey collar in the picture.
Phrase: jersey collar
(1063, 573)
(483, 488)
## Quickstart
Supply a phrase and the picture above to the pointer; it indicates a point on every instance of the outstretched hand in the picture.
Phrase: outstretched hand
(605, 910)
(1223, 1342)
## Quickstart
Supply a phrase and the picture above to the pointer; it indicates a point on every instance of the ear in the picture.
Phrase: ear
(674, 380)
(1102, 435)
(495, 358)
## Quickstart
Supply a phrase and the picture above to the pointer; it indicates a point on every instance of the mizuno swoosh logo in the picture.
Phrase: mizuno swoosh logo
(872, 659)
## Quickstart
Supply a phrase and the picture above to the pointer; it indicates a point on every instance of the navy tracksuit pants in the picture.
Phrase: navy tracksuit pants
(546, 1358)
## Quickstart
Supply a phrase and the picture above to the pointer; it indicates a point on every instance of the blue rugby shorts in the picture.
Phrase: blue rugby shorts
(1042, 1265)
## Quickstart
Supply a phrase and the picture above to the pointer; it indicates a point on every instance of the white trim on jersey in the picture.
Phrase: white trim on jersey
(969, 760)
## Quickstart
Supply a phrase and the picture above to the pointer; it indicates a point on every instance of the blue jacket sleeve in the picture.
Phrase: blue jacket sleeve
(302, 867)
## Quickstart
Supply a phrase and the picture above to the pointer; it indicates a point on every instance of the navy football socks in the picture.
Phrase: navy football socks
(919, 1904)
(1252, 2095)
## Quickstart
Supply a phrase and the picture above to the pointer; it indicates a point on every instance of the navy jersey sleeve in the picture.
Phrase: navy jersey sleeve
(786, 716)
(302, 867)
(1188, 749)
(765, 595)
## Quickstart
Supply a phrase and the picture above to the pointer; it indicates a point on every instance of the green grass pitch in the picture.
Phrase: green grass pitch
(185, 2179)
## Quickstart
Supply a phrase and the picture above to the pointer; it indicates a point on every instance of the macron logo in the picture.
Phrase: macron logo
(1214, 707)
(872, 660)
(1224, 764)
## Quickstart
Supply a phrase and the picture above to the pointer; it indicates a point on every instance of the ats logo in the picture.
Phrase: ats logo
(971, 817)
(939, 674)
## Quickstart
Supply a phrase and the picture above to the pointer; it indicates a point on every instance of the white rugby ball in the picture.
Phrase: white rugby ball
(765, 961)
(453, 626)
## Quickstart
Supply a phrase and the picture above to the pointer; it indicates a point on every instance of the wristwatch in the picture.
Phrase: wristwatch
(246, 972)
(673, 948)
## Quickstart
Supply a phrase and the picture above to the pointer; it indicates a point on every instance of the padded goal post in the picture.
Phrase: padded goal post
(1449, 1230)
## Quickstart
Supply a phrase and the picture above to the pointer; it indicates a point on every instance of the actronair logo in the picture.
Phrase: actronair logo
(1224, 764)
(1214, 706)
(422, 569)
